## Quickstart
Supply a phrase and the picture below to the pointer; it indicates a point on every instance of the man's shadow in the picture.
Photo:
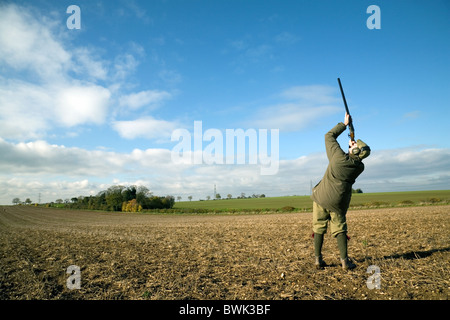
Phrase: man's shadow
(416, 254)
(411, 255)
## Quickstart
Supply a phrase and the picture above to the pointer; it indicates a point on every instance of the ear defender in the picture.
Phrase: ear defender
(363, 149)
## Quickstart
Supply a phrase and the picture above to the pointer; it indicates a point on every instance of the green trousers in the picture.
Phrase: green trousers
(323, 217)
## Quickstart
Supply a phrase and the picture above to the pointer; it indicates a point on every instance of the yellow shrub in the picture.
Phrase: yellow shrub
(131, 206)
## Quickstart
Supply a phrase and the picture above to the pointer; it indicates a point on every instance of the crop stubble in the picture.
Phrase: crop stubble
(144, 256)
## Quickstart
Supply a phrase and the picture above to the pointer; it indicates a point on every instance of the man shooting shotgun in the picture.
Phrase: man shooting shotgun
(331, 196)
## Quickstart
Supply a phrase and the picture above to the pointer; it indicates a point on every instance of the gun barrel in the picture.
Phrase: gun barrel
(343, 96)
(350, 125)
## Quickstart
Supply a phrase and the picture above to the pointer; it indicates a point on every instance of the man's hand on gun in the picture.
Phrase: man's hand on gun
(348, 119)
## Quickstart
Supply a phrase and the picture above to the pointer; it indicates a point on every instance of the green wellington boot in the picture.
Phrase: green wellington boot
(319, 263)
(347, 264)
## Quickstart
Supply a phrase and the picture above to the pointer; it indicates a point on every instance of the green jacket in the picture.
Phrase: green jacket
(334, 191)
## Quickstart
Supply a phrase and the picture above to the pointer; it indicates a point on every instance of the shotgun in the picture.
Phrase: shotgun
(350, 124)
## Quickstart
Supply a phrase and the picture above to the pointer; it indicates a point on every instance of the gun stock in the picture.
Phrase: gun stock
(350, 124)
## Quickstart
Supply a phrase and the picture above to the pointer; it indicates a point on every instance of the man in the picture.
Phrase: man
(332, 194)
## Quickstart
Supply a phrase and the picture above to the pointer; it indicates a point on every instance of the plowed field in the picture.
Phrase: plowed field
(147, 256)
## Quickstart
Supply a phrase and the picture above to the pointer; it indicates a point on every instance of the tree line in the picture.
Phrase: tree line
(229, 196)
(120, 198)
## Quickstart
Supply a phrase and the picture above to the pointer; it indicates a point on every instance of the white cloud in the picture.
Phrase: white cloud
(305, 105)
(28, 110)
(88, 65)
(146, 127)
(40, 90)
(47, 191)
(28, 44)
(76, 105)
(124, 65)
(42, 158)
(25, 109)
(49, 97)
(149, 98)
(315, 94)
(291, 116)
(407, 163)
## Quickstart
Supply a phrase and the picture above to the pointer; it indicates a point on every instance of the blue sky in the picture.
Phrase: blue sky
(81, 110)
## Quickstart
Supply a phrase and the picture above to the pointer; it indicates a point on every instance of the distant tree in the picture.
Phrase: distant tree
(84, 201)
(178, 198)
(129, 193)
(168, 202)
(155, 202)
(117, 198)
(218, 196)
(28, 201)
(114, 197)
(208, 197)
(190, 198)
(99, 202)
(142, 196)
(16, 201)
(90, 202)
(229, 196)
(262, 196)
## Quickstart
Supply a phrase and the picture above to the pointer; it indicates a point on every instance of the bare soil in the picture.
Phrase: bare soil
(166, 257)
